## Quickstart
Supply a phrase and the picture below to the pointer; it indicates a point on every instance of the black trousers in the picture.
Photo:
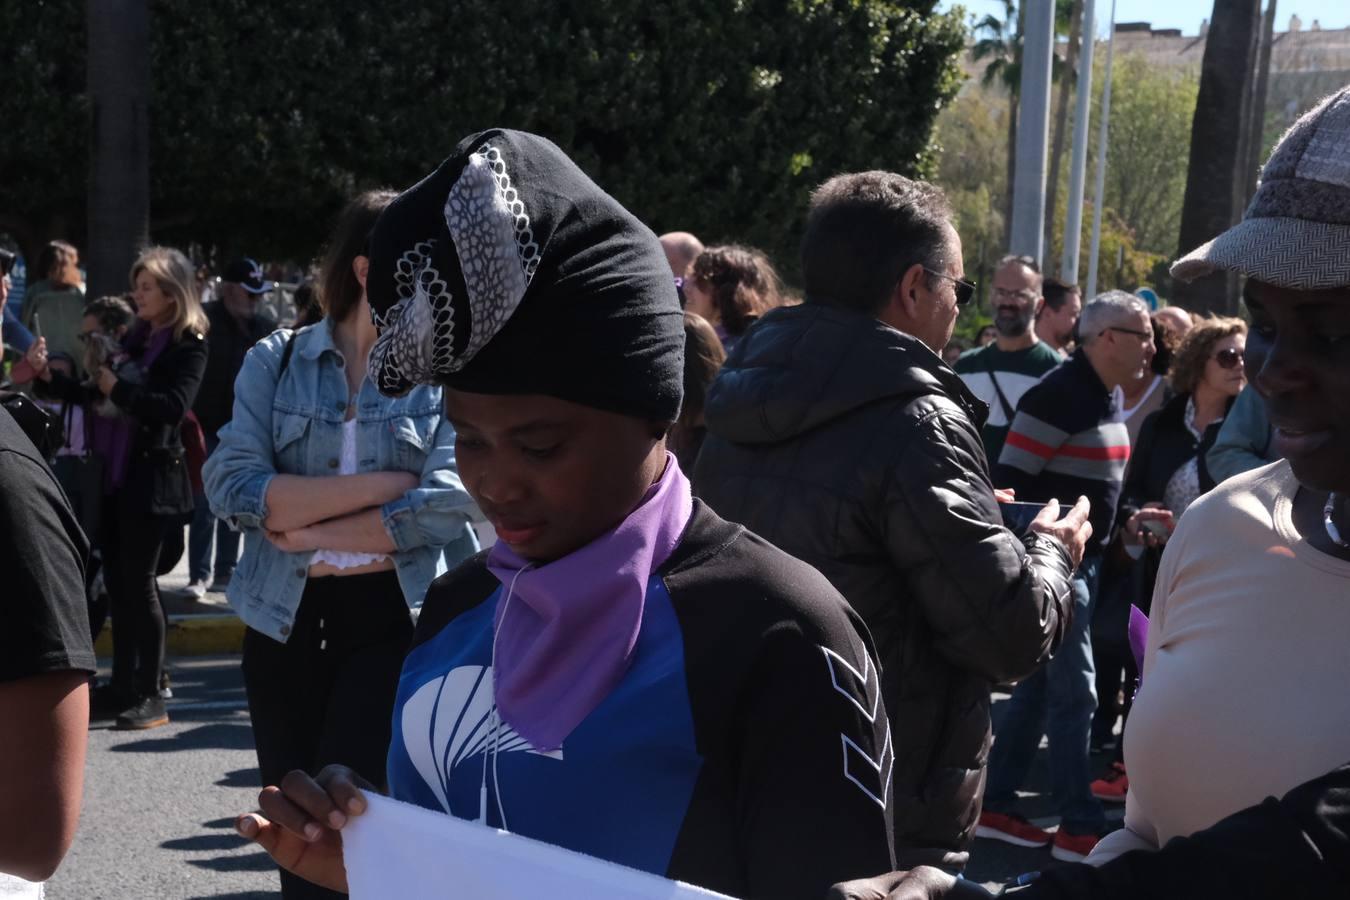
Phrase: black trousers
(327, 695)
(131, 540)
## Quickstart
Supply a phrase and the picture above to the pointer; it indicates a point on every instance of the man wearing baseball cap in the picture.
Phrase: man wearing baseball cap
(1243, 697)
(236, 325)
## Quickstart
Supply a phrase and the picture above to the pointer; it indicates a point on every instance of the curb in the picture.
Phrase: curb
(198, 634)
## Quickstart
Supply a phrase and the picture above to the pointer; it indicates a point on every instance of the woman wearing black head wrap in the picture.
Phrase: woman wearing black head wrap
(638, 646)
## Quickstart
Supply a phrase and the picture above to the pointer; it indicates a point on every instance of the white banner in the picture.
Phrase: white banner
(396, 849)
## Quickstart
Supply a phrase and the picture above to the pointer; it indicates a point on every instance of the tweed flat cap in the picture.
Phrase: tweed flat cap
(1296, 231)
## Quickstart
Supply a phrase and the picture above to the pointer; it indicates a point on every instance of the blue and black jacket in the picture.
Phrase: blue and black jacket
(746, 749)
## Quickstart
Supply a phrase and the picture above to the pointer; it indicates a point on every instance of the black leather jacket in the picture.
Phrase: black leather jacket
(853, 447)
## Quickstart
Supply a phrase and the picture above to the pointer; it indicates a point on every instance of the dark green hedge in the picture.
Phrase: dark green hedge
(716, 116)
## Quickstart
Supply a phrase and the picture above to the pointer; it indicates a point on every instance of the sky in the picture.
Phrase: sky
(1185, 14)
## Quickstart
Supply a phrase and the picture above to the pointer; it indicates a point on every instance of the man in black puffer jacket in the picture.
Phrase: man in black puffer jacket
(837, 433)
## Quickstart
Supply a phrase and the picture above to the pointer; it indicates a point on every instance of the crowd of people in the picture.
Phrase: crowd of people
(736, 532)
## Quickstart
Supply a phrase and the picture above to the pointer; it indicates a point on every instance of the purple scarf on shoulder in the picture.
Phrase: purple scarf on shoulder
(566, 631)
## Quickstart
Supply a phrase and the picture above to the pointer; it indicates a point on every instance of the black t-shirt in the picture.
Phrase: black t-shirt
(44, 620)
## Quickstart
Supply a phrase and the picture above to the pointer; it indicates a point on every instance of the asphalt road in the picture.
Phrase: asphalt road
(159, 805)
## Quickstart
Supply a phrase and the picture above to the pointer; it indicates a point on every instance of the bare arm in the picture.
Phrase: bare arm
(358, 532)
(299, 501)
(46, 724)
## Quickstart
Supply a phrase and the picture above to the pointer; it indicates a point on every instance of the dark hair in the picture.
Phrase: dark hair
(742, 282)
(1056, 292)
(864, 230)
(307, 307)
(6, 261)
(1165, 343)
(112, 312)
(55, 254)
(703, 358)
(339, 291)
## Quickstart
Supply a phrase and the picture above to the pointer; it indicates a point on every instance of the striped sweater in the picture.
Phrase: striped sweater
(1067, 441)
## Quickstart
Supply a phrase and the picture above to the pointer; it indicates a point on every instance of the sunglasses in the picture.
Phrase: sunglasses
(965, 290)
(1228, 358)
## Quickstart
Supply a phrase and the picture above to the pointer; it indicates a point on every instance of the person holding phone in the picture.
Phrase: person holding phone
(1167, 474)
(54, 304)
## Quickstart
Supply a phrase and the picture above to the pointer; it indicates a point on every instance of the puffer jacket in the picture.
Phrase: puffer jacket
(853, 447)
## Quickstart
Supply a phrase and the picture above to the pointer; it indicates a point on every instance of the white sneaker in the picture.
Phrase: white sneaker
(195, 589)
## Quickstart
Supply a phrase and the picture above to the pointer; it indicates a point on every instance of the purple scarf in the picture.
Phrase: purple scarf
(111, 437)
(567, 631)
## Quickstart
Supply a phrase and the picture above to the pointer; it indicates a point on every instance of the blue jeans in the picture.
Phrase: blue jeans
(205, 526)
(1058, 700)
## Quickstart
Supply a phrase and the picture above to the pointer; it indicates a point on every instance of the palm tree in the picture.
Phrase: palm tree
(1226, 72)
(1001, 45)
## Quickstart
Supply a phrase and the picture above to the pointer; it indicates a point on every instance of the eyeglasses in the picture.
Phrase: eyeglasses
(965, 290)
(1228, 358)
(84, 336)
(1023, 295)
(1142, 335)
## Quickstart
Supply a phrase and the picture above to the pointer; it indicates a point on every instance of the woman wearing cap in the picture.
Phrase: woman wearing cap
(621, 642)
(147, 489)
(350, 505)
(1245, 671)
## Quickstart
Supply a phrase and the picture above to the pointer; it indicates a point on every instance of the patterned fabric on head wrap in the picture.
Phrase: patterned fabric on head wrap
(508, 271)
(1296, 231)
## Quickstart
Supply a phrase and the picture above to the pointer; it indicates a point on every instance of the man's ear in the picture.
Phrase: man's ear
(906, 297)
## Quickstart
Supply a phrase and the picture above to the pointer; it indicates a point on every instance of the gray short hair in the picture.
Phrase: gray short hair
(1106, 310)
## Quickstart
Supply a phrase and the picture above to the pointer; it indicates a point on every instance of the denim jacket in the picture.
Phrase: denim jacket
(294, 426)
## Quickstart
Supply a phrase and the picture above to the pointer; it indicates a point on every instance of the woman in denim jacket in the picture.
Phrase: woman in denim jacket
(350, 504)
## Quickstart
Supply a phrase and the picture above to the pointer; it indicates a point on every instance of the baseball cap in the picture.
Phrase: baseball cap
(1295, 232)
(248, 274)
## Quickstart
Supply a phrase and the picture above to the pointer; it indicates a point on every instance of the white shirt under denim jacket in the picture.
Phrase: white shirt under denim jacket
(294, 426)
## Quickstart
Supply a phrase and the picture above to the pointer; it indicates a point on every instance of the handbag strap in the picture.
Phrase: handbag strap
(1008, 410)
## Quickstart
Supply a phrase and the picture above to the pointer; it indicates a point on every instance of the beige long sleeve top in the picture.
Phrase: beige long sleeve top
(1246, 680)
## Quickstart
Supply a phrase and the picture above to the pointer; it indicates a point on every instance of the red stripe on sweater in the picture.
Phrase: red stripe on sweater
(1031, 445)
(1120, 451)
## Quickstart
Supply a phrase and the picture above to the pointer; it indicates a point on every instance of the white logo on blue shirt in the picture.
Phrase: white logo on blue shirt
(448, 721)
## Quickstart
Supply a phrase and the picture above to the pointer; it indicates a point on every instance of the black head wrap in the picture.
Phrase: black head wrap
(508, 271)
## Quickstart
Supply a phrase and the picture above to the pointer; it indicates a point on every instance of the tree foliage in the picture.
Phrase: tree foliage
(712, 116)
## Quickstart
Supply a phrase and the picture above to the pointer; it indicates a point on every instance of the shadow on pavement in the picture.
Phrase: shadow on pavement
(207, 842)
(245, 778)
(227, 822)
(236, 862)
(252, 895)
(216, 736)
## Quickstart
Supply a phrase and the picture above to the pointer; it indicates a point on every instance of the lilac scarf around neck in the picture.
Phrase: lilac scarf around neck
(566, 631)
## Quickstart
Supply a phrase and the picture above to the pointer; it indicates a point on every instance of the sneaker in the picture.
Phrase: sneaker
(106, 701)
(1069, 847)
(1111, 787)
(148, 713)
(1011, 829)
(220, 585)
(165, 691)
(195, 589)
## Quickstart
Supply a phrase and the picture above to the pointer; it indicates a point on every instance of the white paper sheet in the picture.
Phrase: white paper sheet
(399, 850)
